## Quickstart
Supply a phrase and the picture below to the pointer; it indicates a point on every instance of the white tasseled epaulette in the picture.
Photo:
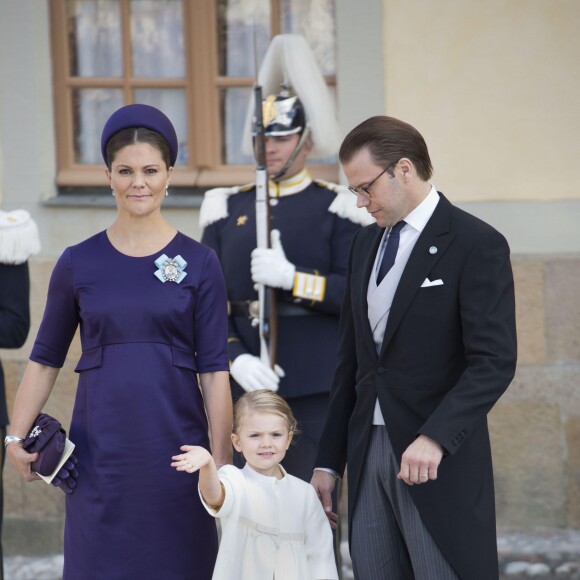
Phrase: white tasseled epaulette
(214, 206)
(18, 237)
(344, 204)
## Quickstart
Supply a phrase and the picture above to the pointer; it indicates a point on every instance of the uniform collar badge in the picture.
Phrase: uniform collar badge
(170, 269)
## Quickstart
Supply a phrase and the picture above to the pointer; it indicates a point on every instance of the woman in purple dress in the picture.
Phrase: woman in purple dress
(151, 304)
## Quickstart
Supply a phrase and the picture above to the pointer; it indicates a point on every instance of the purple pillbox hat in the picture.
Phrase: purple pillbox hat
(132, 116)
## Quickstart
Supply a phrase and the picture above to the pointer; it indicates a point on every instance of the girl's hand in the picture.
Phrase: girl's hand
(192, 460)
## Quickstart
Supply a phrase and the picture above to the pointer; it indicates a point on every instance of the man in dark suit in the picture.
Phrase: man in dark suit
(427, 345)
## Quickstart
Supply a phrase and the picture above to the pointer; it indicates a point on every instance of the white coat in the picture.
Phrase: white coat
(271, 529)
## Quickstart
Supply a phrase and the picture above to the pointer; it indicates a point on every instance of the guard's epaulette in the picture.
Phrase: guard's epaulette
(344, 204)
(214, 206)
(19, 237)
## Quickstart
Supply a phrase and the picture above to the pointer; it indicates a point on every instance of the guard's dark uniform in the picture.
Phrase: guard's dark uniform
(316, 239)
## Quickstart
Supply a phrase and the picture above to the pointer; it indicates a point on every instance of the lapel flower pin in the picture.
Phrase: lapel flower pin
(170, 269)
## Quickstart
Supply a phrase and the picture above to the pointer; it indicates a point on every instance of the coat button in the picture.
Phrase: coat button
(381, 370)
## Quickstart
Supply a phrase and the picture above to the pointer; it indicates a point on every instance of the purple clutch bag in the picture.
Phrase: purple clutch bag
(47, 438)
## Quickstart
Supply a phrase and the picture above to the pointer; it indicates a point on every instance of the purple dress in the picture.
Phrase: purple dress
(132, 515)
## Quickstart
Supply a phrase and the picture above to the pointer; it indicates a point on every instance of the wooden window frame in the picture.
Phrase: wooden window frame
(202, 100)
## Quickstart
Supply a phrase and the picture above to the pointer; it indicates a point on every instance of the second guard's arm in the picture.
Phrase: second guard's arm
(14, 305)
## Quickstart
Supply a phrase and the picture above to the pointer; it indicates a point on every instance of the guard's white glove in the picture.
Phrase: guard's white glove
(270, 265)
(252, 374)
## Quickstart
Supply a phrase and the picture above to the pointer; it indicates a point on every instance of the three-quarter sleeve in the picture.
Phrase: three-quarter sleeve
(211, 318)
(61, 316)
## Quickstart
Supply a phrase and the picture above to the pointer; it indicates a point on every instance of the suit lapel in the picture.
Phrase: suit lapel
(431, 245)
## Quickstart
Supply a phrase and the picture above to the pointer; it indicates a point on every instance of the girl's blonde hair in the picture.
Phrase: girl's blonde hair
(263, 401)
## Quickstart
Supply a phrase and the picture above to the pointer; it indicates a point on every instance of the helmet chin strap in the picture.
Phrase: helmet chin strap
(303, 138)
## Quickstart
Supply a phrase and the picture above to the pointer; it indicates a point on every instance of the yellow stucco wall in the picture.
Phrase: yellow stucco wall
(494, 87)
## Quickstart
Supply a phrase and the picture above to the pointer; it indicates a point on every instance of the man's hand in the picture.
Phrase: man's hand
(271, 267)
(420, 461)
(252, 374)
(324, 482)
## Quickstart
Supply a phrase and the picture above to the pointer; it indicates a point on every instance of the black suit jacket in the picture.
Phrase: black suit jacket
(448, 354)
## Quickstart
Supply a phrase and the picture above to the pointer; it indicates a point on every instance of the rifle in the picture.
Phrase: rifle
(268, 312)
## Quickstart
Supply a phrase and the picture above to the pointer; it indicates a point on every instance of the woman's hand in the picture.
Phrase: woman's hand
(21, 460)
(32, 394)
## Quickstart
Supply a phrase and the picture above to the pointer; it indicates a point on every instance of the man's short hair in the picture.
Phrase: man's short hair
(388, 140)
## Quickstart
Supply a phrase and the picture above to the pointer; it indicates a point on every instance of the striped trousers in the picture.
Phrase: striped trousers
(389, 539)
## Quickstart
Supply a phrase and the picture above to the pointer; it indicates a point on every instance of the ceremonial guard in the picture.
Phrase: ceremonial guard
(313, 223)
(18, 241)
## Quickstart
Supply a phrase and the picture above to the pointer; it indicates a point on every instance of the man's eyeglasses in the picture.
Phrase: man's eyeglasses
(365, 190)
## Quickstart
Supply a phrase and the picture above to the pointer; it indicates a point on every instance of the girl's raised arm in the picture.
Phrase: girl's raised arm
(200, 459)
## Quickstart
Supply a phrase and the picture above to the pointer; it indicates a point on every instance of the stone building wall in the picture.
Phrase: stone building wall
(535, 427)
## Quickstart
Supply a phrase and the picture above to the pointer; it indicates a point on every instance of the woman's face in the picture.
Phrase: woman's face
(139, 178)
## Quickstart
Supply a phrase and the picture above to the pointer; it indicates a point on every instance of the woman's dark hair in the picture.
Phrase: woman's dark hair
(388, 140)
(135, 135)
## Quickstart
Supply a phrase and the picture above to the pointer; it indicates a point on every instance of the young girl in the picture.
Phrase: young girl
(273, 525)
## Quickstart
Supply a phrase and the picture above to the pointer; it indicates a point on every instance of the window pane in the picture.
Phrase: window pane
(157, 38)
(94, 38)
(238, 21)
(233, 107)
(313, 19)
(91, 109)
(173, 103)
